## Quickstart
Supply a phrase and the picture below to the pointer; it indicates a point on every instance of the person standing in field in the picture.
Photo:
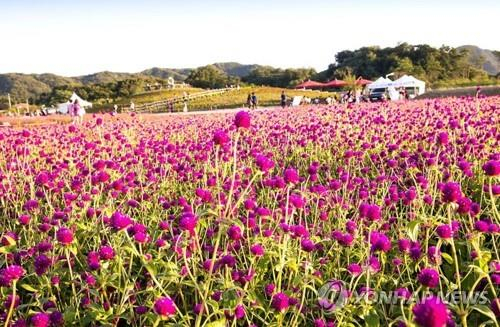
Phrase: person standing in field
(72, 112)
(283, 99)
(132, 106)
(79, 111)
(249, 101)
(254, 101)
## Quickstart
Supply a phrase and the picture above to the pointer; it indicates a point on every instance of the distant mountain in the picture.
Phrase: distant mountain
(179, 74)
(481, 58)
(236, 69)
(23, 86)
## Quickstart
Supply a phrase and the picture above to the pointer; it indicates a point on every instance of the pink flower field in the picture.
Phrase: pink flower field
(368, 215)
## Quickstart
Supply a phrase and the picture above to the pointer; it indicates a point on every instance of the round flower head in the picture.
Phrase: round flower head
(164, 306)
(188, 222)
(429, 277)
(40, 319)
(431, 312)
(257, 250)
(64, 236)
(234, 232)
(106, 252)
(444, 231)
(492, 168)
(291, 176)
(495, 306)
(220, 137)
(280, 302)
(12, 273)
(451, 192)
(442, 138)
(120, 221)
(242, 119)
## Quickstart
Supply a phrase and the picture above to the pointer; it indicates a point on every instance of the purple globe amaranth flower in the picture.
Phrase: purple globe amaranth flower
(234, 232)
(370, 211)
(431, 312)
(444, 231)
(354, 268)
(8, 302)
(451, 192)
(280, 302)
(42, 178)
(12, 273)
(42, 264)
(106, 252)
(291, 176)
(429, 277)
(307, 245)
(492, 168)
(93, 260)
(269, 289)
(40, 319)
(442, 138)
(239, 312)
(56, 318)
(64, 236)
(481, 226)
(120, 221)
(164, 306)
(188, 222)
(495, 306)
(257, 250)
(242, 119)
(379, 242)
(403, 293)
(264, 163)
(220, 137)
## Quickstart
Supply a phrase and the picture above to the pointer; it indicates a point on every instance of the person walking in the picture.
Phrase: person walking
(254, 101)
(283, 99)
(249, 101)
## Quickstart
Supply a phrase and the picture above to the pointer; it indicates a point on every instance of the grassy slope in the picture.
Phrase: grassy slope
(267, 96)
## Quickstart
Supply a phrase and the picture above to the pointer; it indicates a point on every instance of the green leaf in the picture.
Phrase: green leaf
(447, 257)
(372, 319)
(485, 310)
(29, 288)
(413, 228)
(218, 323)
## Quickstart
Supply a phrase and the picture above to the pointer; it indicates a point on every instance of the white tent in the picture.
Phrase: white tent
(82, 102)
(381, 82)
(63, 107)
(410, 82)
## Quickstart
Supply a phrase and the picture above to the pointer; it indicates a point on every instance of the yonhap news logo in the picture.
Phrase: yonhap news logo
(334, 295)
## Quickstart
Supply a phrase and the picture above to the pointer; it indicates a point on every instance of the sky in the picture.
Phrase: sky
(73, 38)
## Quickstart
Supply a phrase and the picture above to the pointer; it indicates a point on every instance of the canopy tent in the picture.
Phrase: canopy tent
(361, 81)
(309, 85)
(335, 83)
(380, 83)
(82, 102)
(63, 107)
(410, 82)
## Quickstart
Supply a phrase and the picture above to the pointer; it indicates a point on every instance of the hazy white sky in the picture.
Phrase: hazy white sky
(81, 37)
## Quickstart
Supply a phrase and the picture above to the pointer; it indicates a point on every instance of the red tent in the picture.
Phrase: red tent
(309, 85)
(361, 81)
(335, 83)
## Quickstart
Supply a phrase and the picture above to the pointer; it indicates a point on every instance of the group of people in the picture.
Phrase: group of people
(252, 101)
(76, 112)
